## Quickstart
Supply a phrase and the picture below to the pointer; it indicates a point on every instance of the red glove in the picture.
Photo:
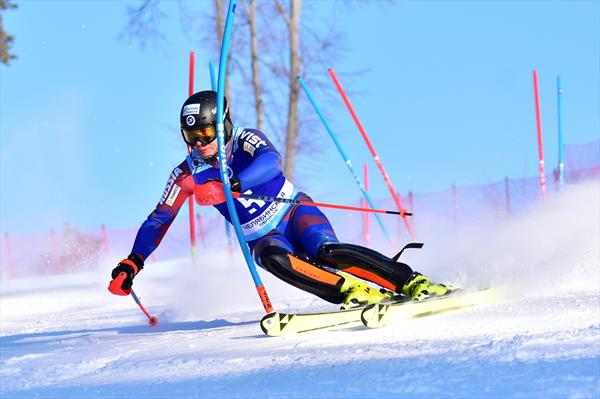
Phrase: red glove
(209, 193)
(123, 274)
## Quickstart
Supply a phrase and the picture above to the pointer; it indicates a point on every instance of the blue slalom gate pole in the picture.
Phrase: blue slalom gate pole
(223, 168)
(213, 85)
(338, 144)
(561, 160)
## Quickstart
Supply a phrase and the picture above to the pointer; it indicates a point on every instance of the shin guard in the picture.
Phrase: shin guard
(366, 264)
(302, 274)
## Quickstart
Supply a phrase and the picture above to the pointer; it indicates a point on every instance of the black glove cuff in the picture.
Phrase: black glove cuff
(235, 184)
(139, 262)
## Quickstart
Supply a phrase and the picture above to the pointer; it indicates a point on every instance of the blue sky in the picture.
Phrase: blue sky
(89, 123)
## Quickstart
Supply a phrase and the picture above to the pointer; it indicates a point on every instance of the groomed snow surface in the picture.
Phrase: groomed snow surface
(67, 337)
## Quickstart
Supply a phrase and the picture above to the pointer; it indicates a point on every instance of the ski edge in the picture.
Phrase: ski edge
(278, 324)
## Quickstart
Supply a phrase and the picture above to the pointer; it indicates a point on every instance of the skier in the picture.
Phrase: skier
(295, 243)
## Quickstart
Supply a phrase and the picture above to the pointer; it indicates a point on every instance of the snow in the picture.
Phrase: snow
(67, 337)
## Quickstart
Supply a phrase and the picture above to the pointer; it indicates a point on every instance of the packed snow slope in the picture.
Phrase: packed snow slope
(67, 337)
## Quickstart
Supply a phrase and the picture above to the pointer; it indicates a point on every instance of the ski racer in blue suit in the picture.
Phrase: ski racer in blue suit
(295, 243)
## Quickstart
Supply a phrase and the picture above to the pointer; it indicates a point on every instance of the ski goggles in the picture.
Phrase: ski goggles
(205, 135)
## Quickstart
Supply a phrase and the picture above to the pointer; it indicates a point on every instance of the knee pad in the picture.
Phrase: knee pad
(274, 258)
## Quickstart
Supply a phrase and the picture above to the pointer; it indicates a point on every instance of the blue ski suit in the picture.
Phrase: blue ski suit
(293, 242)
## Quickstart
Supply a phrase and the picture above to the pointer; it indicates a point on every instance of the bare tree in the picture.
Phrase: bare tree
(256, 83)
(310, 46)
(144, 26)
(220, 27)
(6, 40)
(144, 23)
(292, 20)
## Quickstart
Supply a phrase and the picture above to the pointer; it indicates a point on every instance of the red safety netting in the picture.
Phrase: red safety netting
(69, 249)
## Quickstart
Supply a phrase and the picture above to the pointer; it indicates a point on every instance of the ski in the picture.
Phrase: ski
(277, 324)
(380, 314)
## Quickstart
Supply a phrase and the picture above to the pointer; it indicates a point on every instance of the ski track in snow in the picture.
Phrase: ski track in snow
(67, 337)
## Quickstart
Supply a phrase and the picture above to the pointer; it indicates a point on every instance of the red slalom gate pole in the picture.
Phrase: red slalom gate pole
(388, 182)
(191, 199)
(538, 120)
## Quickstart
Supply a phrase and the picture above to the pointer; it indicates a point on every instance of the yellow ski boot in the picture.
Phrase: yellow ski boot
(358, 293)
(419, 287)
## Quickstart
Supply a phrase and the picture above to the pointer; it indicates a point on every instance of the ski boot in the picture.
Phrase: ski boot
(419, 287)
(358, 293)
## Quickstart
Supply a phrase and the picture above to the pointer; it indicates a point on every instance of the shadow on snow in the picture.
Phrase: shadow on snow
(22, 339)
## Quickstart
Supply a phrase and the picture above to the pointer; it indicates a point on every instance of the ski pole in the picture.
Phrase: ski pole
(319, 204)
(115, 287)
(153, 321)
(386, 177)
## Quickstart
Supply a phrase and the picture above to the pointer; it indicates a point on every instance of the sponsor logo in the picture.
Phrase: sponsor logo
(170, 184)
(264, 218)
(173, 196)
(190, 120)
(249, 148)
(252, 142)
(191, 109)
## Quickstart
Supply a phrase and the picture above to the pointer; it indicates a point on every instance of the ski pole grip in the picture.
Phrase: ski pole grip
(115, 286)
